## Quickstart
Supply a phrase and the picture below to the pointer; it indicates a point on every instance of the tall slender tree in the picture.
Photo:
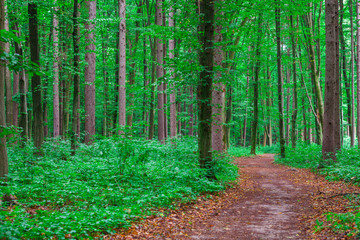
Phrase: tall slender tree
(35, 79)
(159, 74)
(331, 25)
(122, 66)
(172, 74)
(90, 73)
(358, 68)
(353, 127)
(206, 59)
(76, 80)
(254, 127)
(56, 96)
(4, 169)
(280, 85)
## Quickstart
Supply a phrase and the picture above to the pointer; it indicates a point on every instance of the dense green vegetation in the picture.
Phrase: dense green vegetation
(106, 185)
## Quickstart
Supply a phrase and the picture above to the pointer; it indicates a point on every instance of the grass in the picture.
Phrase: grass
(104, 186)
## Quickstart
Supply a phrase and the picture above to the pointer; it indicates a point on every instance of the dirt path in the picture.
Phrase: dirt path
(270, 201)
(268, 210)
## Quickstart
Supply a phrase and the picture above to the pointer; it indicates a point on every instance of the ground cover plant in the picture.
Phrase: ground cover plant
(104, 186)
(346, 168)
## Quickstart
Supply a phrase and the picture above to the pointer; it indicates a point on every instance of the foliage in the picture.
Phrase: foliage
(105, 186)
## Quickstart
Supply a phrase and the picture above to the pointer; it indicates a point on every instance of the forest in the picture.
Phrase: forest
(118, 114)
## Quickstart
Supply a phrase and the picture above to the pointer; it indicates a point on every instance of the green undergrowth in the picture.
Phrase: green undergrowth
(240, 151)
(346, 168)
(104, 186)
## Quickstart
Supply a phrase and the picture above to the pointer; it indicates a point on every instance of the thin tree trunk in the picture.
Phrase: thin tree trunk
(295, 100)
(358, 69)
(9, 104)
(152, 89)
(159, 75)
(56, 101)
(172, 74)
(76, 80)
(191, 112)
(4, 169)
(280, 85)
(90, 73)
(122, 66)
(344, 68)
(35, 80)
(352, 126)
(254, 128)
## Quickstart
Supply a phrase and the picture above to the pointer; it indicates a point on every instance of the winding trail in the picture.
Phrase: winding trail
(269, 201)
(268, 210)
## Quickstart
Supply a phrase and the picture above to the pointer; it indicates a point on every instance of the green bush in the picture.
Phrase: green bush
(104, 186)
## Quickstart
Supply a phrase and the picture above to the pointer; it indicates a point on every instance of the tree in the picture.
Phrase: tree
(160, 74)
(254, 127)
(358, 69)
(122, 66)
(90, 73)
(56, 98)
(295, 100)
(204, 88)
(218, 93)
(172, 74)
(4, 169)
(331, 24)
(35, 80)
(76, 93)
(280, 85)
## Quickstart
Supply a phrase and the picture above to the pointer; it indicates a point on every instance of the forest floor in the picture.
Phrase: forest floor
(269, 201)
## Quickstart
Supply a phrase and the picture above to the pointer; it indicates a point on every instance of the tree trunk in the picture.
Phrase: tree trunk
(295, 100)
(90, 73)
(358, 70)
(331, 23)
(76, 80)
(4, 169)
(35, 80)
(218, 96)
(344, 67)
(352, 126)
(122, 67)
(56, 99)
(159, 75)
(254, 128)
(152, 89)
(9, 104)
(172, 85)
(280, 85)
(206, 60)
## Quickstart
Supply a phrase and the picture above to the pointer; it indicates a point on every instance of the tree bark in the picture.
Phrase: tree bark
(358, 69)
(280, 85)
(159, 75)
(254, 128)
(4, 168)
(9, 104)
(90, 73)
(206, 60)
(76, 80)
(353, 129)
(172, 84)
(122, 67)
(218, 96)
(56, 99)
(331, 24)
(35, 80)
(295, 100)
